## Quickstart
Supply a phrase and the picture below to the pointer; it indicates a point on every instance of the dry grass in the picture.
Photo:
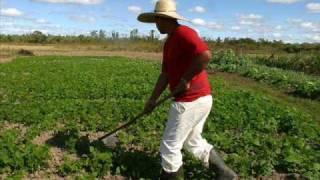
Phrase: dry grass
(9, 51)
(4, 59)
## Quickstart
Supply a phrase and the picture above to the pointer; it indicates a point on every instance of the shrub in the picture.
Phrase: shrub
(25, 52)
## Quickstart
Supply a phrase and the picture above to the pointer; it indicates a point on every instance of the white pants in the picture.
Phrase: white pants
(183, 130)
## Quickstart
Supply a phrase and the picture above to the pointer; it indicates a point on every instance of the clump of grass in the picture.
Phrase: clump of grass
(25, 52)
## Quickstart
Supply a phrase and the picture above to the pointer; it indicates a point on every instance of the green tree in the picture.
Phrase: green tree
(37, 37)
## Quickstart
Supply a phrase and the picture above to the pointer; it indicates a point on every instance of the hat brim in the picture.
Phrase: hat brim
(150, 17)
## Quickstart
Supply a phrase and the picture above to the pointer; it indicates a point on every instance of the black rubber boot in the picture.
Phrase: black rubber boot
(179, 175)
(223, 172)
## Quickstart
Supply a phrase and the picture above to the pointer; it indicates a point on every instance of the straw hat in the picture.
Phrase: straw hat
(163, 8)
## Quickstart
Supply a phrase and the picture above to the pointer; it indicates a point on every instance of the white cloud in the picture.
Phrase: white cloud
(83, 2)
(213, 25)
(83, 19)
(250, 19)
(276, 35)
(307, 25)
(313, 37)
(28, 25)
(199, 21)
(245, 22)
(210, 25)
(250, 30)
(279, 27)
(310, 26)
(283, 1)
(18, 28)
(198, 9)
(135, 9)
(11, 12)
(41, 21)
(14, 30)
(316, 37)
(294, 21)
(313, 7)
(235, 28)
(6, 24)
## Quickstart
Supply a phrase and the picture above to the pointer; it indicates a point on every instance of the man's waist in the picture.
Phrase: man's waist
(191, 97)
(195, 85)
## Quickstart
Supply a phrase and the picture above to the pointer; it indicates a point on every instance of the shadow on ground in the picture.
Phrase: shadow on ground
(134, 164)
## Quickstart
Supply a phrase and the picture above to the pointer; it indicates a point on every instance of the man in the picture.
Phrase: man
(185, 58)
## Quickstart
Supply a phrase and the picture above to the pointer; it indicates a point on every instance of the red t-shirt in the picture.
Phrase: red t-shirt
(179, 50)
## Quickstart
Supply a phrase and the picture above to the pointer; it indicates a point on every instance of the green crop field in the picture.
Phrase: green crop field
(295, 83)
(49, 104)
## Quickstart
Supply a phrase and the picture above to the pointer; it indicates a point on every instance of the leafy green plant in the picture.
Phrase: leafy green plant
(260, 140)
(96, 163)
(294, 82)
(255, 135)
(309, 64)
(17, 156)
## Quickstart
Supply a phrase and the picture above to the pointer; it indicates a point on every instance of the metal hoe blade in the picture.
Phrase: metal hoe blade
(111, 141)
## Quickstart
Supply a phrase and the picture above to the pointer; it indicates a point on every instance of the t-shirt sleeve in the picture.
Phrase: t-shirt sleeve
(192, 43)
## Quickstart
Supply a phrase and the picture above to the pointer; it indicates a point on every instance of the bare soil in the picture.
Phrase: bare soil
(4, 59)
(58, 155)
(10, 125)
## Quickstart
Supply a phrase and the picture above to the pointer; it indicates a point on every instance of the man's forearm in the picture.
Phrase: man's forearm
(160, 86)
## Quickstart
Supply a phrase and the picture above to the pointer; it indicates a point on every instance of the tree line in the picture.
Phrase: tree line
(93, 36)
(101, 36)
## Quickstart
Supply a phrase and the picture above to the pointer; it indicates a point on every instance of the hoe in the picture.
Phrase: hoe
(110, 140)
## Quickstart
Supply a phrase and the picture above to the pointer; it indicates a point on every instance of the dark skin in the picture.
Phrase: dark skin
(199, 63)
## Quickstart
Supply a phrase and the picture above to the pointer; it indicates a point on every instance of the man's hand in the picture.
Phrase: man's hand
(149, 106)
(160, 86)
(182, 87)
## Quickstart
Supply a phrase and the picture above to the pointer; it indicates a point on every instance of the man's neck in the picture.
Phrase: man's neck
(172, 28)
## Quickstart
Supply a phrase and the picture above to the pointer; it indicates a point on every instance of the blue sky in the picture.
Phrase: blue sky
(287, 20)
